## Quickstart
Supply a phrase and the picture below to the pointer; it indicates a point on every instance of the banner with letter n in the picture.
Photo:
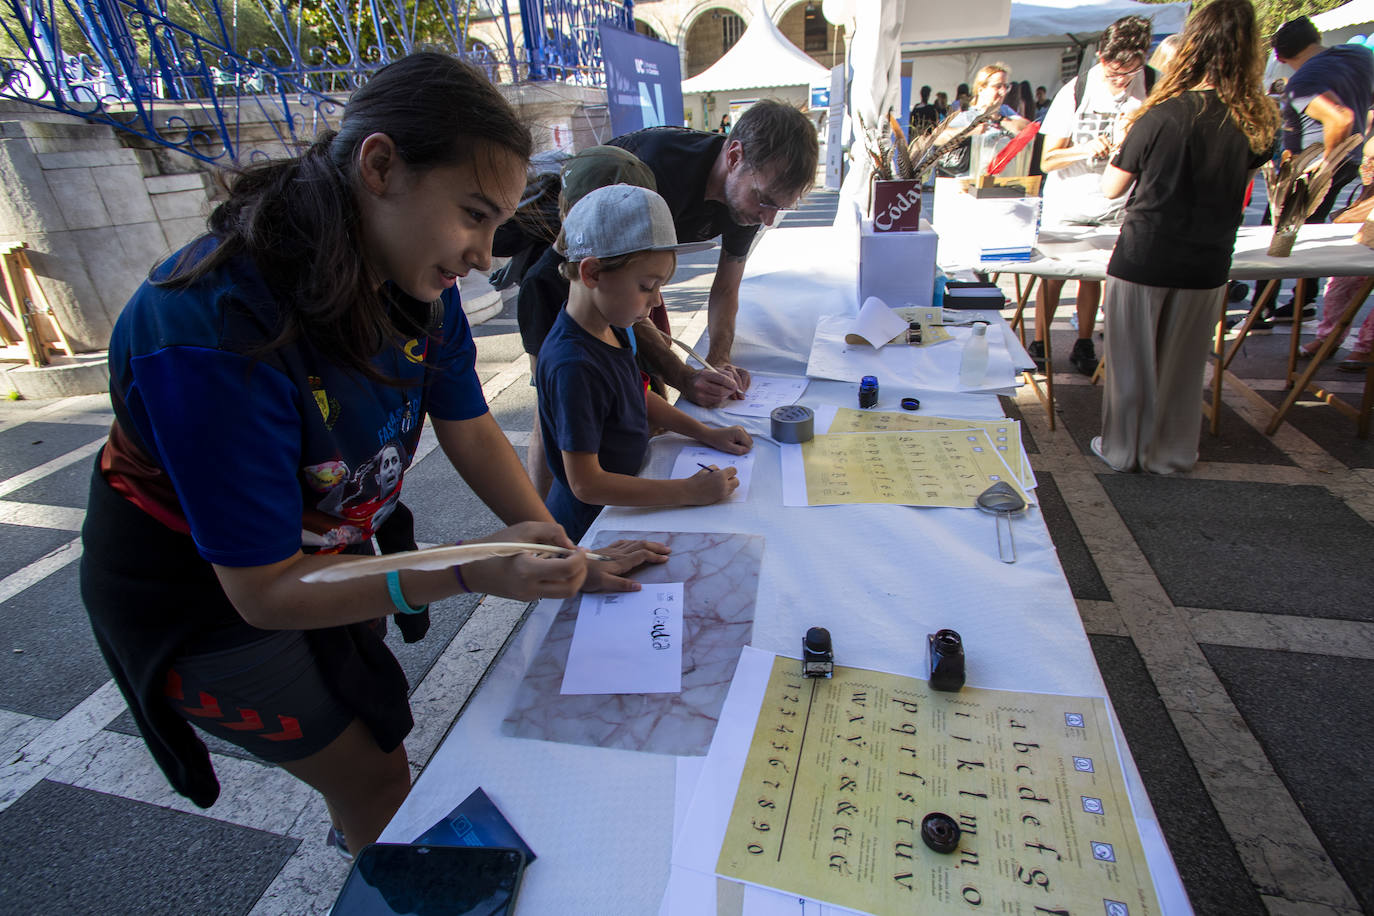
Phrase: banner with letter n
(643, 80)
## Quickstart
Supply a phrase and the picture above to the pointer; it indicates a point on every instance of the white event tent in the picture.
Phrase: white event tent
(763, 63)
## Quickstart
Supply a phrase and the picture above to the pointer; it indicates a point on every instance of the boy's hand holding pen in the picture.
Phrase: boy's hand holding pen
(710, 485)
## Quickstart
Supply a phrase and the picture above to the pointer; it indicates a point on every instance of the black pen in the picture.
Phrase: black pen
(705, 467)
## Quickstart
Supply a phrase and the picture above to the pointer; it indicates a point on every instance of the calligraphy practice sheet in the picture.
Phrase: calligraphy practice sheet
(1005, 434)
(627, 642)
(916, 468)
(692, 457)
(840, 773)
(765, 393)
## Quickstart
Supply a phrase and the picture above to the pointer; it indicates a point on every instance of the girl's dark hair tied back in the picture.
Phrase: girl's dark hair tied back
(296, 218)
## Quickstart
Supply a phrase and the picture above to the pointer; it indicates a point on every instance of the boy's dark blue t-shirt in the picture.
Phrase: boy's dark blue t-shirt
(1347, 71)
(591, 399)
(257, 453)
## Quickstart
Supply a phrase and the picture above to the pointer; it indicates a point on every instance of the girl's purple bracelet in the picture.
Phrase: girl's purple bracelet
(458, 574)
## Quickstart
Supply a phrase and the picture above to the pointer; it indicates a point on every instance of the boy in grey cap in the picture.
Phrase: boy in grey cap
(595, 409)
(544, 289)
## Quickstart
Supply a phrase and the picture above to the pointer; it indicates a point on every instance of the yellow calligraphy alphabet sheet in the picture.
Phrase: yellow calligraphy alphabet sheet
(841, 773)
(916, 468)
(1004, 433)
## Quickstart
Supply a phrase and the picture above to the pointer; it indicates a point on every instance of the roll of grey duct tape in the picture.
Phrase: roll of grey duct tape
(793, 423)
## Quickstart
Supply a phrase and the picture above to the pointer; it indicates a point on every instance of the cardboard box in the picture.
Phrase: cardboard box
(897, 267)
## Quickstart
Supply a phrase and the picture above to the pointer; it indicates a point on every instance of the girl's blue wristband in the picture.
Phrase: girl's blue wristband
(393, 587)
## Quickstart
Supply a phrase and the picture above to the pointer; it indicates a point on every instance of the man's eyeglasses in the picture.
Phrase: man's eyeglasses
(1116, 74)
(767, 203)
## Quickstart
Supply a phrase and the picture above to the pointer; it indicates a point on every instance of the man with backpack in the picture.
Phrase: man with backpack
(1085, 123)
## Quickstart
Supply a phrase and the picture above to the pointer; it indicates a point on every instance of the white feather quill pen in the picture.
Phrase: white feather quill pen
(435, 558)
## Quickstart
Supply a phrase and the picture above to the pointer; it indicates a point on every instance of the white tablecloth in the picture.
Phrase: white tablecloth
(1322, 250)
(878, 577)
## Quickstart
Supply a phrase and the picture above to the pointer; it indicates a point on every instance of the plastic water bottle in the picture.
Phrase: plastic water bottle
(938, 294)
(973, 365)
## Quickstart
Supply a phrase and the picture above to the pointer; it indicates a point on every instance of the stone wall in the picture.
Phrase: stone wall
(98, 208)
(95, 215)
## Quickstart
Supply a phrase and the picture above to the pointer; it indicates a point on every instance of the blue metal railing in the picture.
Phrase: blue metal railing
(181, 77)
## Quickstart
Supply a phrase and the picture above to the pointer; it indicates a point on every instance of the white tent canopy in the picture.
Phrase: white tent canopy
(762, 58)
(1356, 12)
(1050, 23)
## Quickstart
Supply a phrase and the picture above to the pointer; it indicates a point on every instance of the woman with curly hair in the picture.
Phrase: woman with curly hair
(1190, 151)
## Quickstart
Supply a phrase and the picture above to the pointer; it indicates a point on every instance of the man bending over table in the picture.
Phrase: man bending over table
(715, 185)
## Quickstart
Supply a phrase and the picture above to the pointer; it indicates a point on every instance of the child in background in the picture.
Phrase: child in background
(595, 411)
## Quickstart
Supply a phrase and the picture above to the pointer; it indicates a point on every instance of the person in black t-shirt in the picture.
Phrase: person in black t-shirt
(726, 186)
(1190, 152)
(923, 116)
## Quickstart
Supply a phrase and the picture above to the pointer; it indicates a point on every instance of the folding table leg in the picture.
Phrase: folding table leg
(1366, 404)
(1299, 294)
(1328, 346)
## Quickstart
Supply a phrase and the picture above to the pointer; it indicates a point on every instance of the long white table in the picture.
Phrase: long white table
(879, 577)
(1321, 250)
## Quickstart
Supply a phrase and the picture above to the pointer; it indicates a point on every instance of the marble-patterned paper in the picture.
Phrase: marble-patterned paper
(720, 573)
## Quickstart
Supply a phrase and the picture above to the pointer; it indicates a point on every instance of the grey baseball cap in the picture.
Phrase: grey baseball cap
(620, 219)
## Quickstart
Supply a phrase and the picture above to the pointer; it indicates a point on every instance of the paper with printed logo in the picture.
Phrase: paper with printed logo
(627, 642)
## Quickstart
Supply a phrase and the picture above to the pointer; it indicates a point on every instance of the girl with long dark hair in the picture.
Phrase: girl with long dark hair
(1190, 151)
(270, 382)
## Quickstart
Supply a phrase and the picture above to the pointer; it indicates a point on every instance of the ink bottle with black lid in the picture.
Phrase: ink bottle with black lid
(868, 391)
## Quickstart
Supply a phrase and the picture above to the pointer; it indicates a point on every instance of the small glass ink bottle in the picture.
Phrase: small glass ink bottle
(868, 391)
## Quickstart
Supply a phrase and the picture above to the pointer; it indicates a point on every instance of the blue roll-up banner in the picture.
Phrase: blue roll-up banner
(643, 80)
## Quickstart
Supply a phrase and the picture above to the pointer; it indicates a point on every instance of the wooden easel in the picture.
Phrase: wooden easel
(26, 317)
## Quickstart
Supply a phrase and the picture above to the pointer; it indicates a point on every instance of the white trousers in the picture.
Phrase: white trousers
(1157, 341)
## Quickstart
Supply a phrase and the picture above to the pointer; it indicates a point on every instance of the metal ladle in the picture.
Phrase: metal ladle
(1002, 500)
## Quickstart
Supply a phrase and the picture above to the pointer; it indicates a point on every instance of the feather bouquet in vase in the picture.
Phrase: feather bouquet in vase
(1296, 188)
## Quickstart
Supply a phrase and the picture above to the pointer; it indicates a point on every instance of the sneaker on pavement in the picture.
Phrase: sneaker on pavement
(1084, 357)
(336, 839)
(1284, 313)
(1358, 362)
(1096, 446)
(1036, 349)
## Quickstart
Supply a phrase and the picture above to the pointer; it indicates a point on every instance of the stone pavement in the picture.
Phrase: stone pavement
(1229, 610)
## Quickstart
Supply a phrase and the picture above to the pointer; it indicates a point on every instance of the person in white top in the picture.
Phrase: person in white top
(1082, 128)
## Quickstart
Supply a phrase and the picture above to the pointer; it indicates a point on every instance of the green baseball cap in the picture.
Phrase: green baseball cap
(599, 167)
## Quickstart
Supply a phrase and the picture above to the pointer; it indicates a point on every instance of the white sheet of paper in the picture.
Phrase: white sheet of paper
(627, 642)
(690, 459)
(765, 393)
(925, 369)
(876, 325)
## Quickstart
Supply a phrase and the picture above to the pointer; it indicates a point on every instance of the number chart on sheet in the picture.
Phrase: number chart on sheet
(916, 468)
(841, 773)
